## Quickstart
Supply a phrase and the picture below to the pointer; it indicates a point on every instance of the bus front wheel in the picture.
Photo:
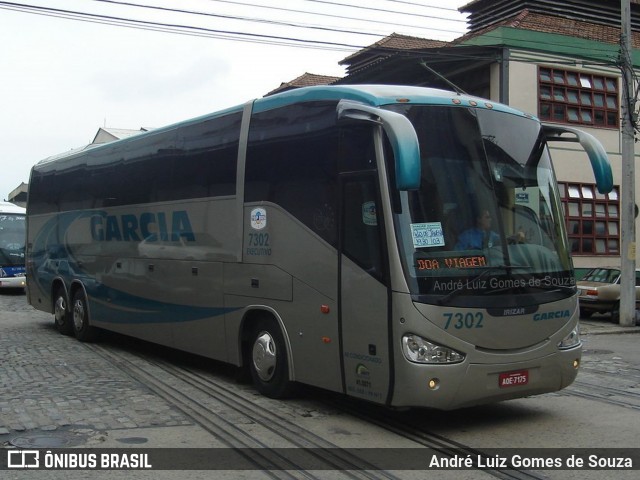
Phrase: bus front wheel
(61, 313)
(80, 313)
(269, 365)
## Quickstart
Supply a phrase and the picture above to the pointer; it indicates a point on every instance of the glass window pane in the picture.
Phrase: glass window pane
(601, 246)
(585, 115)
(558, 77)
(545, 92)
(585, 81)
(585, 98)
(587, 228)
(545, 75)
(601, 228)
(575, 245)
(613, 194)
(613, 211)
(574, 209)
(572, 114)
(572, 78)
(599, 117)
(598, 99)
(611, 85)
(574, 191)
(558, 112)
(614, 245)
(562, 189)
(613, 228)
(574, 227)
(598, 83)
(587, 245)
(545, 110)
(612, 119)
(587, 191)
(612, 102)
(600, 210)
(559, 94)
(572, 96)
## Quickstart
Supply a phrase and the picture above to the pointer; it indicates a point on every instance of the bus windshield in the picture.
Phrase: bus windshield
(12, 237)
(486, 219)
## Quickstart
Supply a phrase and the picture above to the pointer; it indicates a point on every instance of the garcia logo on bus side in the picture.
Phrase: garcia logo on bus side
(164, 226)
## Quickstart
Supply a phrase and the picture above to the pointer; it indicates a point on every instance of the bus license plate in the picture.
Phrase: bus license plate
(513, 379)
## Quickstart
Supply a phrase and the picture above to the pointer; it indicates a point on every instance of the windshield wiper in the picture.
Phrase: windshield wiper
(550, 288)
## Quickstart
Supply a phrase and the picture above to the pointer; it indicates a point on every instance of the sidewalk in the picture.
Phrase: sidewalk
(604, 326)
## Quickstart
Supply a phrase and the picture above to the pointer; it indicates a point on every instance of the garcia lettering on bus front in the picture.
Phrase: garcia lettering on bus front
(161, 226)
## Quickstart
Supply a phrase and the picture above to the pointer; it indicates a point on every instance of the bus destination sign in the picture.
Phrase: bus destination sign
(465, 261)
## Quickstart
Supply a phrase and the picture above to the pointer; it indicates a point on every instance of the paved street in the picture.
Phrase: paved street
(56, 392)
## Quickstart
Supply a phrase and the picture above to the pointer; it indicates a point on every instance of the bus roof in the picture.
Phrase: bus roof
(379, 95)
(372, 95)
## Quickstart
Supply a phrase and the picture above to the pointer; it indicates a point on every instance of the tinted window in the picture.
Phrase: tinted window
(192, 161)
(294, 156)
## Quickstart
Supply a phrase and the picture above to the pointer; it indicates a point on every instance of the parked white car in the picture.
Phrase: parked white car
(600, 292)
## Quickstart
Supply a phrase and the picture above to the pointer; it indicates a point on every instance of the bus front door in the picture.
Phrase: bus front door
(364, 296)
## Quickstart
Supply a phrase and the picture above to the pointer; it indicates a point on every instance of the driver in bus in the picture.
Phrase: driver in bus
(479, 237)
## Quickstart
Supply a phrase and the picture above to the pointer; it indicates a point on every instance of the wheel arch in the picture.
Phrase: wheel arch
(57, 283)
(78, 285)
(251, 316)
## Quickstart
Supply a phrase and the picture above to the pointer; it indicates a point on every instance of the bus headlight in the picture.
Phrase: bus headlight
(570, 341)
(420, 350)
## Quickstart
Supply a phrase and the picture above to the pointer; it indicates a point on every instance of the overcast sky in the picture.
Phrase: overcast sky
(62, 79)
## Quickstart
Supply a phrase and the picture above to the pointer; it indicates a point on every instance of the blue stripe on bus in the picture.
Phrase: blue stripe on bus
(131, 309)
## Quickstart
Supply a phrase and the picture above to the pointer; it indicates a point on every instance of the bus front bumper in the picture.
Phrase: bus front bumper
(449, 387)
(13, 282)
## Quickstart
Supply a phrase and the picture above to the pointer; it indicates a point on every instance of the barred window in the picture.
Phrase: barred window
(593, 219)
(577, 97)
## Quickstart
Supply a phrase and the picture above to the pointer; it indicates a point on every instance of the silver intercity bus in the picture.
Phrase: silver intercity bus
(402, 245)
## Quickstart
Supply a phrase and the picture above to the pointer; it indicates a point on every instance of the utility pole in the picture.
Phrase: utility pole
(627, 211)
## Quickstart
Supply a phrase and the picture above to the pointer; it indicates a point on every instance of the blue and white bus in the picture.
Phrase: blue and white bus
(314, 236)
(12, 240)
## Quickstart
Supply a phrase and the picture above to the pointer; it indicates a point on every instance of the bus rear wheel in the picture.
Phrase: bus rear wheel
(61, 313)
(80, 314)
(269, 365)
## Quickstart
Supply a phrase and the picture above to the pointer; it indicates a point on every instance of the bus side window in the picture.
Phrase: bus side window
(361, 224)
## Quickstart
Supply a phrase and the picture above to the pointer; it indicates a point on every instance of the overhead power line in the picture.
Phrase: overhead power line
(339, 17)
(236, 17)
(384, 10)
(230, 35)
(422, 4)
(271, 22)
(176, 28)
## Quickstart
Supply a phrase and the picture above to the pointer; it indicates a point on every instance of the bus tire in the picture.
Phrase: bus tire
(82, 329)
(61, 312)
(269, 365)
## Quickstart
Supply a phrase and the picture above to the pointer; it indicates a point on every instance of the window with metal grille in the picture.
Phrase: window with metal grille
(593, 219)
(579, 98)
